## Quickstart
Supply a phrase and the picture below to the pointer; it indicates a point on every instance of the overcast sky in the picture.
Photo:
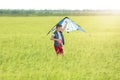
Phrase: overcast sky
(60, 4)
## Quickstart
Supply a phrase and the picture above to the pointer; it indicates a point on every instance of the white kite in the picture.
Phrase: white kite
(70, 27)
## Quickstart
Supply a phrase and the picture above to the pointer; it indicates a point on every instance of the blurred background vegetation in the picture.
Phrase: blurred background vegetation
(22, 12)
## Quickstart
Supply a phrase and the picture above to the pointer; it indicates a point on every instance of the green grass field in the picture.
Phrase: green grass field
(26, 52)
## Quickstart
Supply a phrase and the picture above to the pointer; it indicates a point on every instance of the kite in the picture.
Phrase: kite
(70, 27)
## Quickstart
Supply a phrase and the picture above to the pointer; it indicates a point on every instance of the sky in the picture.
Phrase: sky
(60, 4)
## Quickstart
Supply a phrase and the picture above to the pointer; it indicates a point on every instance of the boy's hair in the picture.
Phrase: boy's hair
(58, 25)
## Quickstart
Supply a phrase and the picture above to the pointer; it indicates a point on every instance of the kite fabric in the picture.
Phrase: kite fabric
(70, 27)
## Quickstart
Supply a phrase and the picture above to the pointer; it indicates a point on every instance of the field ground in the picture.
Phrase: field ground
(26, 52)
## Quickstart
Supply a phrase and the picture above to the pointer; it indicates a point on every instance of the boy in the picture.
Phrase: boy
(58, 38)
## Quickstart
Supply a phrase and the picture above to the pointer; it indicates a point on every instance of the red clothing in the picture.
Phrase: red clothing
(59, 49)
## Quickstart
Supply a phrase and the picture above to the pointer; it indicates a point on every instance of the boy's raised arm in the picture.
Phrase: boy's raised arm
(65, 26)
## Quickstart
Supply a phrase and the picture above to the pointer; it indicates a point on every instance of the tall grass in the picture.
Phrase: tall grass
(26, 52)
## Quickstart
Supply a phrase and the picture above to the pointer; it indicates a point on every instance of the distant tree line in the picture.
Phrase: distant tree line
(8, 12)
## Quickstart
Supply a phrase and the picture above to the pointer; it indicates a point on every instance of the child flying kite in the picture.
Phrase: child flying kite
(57, 36)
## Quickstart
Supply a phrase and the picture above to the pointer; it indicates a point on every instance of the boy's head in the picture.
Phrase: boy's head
(58, 27)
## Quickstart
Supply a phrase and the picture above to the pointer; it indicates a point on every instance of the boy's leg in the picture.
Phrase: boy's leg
(61, 50)
(57, 49)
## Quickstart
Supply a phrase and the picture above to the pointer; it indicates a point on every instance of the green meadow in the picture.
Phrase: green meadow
(27, 53)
